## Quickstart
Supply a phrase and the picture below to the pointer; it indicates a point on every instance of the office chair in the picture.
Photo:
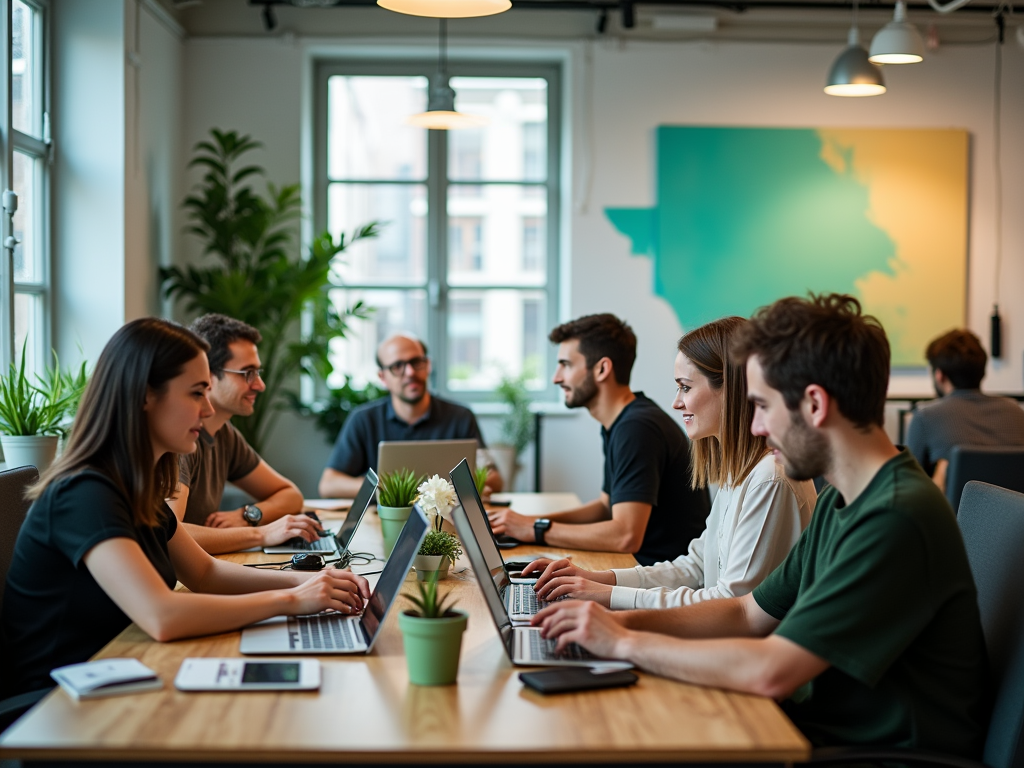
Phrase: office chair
(1002, 466)
(13, 508)
(992, 523)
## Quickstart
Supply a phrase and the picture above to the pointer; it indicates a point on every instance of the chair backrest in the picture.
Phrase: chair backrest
(1003, 466)
(992, 523)
(13, 508)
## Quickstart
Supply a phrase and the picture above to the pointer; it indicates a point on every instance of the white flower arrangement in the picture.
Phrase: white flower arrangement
(437, 500)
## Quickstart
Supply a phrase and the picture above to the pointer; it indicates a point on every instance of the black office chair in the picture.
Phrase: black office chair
(992, 523)
(1003, 466)
(13, 508)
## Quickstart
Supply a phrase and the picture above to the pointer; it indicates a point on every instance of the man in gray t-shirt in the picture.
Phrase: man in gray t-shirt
(962, 415)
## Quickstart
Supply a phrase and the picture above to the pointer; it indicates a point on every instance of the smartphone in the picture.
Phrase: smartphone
(197, 674)
(499, 503)
(570, 679)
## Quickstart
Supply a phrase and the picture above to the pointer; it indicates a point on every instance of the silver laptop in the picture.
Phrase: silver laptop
(338, 542)
(524, 645)
(325, 633)
(425, 457)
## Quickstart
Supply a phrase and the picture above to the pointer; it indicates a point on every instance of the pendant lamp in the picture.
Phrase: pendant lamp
(447, 9)
(898, 42)
(441, 114)
(852, 74)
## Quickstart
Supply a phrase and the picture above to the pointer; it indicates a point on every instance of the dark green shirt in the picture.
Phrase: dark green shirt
(882, 591)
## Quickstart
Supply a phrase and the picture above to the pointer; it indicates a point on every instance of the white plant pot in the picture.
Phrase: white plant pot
(38, 451)
(428, 564)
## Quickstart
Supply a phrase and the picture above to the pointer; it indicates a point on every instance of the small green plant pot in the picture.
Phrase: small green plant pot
(432, 647)
(392, 521)
(428, 565)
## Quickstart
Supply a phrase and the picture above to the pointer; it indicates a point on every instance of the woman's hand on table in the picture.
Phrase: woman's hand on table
(330, 589)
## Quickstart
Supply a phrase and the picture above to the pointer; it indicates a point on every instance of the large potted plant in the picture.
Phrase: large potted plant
(257, 274)
(432, 636)
(517, 427)
(331, 412)
(440, 548)
(396, 493)
(34, 415)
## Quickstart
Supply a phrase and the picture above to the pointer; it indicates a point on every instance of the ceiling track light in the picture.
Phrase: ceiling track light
(441, 114)
(628, 14)
(898, 42)
(852, 74)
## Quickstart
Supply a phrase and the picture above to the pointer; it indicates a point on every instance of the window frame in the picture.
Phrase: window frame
(437, 184)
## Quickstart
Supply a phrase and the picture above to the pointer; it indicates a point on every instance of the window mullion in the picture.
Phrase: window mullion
(437, 248)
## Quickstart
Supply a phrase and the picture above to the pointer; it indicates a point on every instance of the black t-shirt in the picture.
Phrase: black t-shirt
(54, 612)
(356, 448)
(647, 460)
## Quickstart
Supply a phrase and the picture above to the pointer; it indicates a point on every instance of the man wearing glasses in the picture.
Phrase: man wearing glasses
(222, 455)
(410, 413)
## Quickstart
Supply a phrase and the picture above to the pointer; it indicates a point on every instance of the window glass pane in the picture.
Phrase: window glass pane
(28, 323)
(395, 311)
(398, 256)
(493, 333)
(497, 235)
(513, 145)
(26, 106)
(28, 266)
(367, 133)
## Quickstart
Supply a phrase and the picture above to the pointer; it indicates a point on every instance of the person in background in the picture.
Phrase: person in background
(648, 506)
(100, 549)
(222, 455)
(962, 415)
(408, 412)
(868, 633)
(757, 515)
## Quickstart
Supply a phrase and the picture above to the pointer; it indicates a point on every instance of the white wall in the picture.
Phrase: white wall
(617, 93)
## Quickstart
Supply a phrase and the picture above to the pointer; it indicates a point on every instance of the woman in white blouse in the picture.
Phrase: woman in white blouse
(758, 513)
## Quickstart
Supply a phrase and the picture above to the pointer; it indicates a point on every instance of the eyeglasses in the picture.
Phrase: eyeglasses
(397, 368)
(250, 374)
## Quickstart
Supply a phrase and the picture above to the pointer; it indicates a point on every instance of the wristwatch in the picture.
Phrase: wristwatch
(540, 527)
(252, 514)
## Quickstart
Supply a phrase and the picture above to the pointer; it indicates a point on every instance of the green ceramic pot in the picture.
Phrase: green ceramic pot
(392, 521)
(432, 647)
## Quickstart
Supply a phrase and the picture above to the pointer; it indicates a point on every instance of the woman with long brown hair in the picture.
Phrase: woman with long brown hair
(100, 548)
(757, 515)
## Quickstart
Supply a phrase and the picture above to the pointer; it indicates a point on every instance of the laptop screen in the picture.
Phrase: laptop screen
(395, 571)
(357, 510)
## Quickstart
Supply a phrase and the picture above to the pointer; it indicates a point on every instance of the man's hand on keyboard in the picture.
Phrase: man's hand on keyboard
(585, 623)
(289, 527)
(330, 589)
(577, 588)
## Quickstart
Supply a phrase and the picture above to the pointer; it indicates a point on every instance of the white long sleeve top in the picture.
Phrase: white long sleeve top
(751, 528)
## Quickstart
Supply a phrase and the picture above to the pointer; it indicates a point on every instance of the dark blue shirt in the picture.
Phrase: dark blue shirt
(355, 451)
(647, 460)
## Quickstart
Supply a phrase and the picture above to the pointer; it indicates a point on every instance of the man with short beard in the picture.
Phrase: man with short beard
(647, 506)
(868, 632)
(410, 412)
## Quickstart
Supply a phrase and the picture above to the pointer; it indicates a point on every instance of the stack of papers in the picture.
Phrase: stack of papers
(108, 677)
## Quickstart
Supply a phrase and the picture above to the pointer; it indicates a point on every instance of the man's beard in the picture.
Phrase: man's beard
(806, 453)
(580, 397)
(413, 400)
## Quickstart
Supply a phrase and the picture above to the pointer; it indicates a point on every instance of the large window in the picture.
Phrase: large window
(25, 171)
(467, 256)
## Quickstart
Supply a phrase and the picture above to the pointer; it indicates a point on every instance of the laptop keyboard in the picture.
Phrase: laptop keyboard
(325, 544)
(329, 632)
(524, 600)
(543, 649)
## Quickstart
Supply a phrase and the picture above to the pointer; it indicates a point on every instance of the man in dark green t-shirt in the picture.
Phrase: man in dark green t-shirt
(869, 631)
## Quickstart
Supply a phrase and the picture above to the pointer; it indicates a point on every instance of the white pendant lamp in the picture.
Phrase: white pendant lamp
(447, 9)
(441, 114)
(852, 74)
(898, 42)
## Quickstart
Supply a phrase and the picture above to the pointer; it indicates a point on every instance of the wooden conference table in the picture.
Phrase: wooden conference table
(367, 712)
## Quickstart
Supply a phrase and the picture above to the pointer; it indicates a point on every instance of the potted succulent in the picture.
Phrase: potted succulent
(480, 479)
(432, 635)
(396, 493)
(440, 548)
(35, 415)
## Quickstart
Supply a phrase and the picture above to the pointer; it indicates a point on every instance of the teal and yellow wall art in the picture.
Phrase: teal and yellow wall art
(744, 216)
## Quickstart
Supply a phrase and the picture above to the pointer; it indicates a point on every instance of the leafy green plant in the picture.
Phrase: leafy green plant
(41, 407)
(427, 605)
(398, 488)
(517, 426)
(480, 479)
(442, 543)
(332, 412)
(257, 274)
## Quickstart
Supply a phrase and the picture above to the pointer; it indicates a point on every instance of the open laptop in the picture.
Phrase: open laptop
(337, 542)
(524, 645)
(425, 457)
(334, 632)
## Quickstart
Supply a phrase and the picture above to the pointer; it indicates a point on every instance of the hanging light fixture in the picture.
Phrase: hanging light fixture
(852, 74)
(898, 42)
(441, 114)
(447, 9)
